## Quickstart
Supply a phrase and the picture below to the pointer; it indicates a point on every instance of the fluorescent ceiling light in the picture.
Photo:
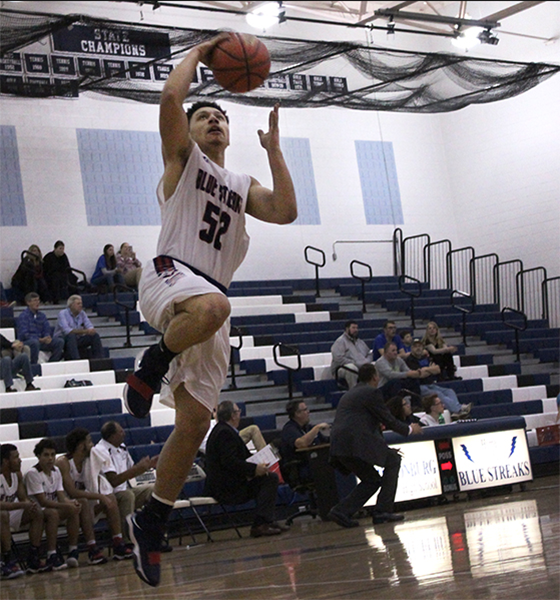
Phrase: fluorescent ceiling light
(264, 16)
(468, 38)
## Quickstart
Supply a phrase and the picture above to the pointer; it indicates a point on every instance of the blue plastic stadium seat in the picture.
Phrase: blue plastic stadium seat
(60, 428)
(92, 423)
(84, 409)
(109, 407)
(58, 411)
(31, 413)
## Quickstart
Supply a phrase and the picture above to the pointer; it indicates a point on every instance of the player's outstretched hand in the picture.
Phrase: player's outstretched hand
(205, 49)
(271, 139)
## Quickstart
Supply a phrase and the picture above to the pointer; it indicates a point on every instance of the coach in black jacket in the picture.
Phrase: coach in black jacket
(232, 480)
(357, 444)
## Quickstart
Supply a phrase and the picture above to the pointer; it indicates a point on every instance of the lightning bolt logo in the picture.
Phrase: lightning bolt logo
(513, 442)
(466, 452)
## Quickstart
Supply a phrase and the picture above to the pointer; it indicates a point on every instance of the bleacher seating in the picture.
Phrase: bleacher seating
(288, 313)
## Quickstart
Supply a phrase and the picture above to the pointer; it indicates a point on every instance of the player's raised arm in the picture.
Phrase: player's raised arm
(279, 204)
(173, 123)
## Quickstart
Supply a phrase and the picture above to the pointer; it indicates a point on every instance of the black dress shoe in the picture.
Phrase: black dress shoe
(342, 519)
(265, 529)
(280, 526)
(386, 517)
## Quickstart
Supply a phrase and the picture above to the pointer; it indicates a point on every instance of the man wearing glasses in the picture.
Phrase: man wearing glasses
(232, 480)
(299, 433)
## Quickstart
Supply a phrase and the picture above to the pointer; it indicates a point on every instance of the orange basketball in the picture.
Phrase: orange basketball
(240, 62)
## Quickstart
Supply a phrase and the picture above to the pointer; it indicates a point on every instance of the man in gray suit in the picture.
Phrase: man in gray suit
(357, 444)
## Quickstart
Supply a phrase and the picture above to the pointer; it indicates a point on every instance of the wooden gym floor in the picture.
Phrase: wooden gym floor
(501, 546)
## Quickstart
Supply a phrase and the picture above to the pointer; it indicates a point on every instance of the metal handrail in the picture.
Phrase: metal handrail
(515, 327)
(520, 287)
(462, 309)
(236, 331)
(497, 278)
(472, 273)
(398, 251)
(409, 239)
(451, 283)
(290, 370)
(84, 277)
(343, 368)
(362, 279)
(26, 252)
(428, 261)
(552, 319)
(316, 264)
(127, 309)
(410, 294)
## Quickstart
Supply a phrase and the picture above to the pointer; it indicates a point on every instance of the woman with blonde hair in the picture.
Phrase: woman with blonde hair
(29, 276)
(440, 352)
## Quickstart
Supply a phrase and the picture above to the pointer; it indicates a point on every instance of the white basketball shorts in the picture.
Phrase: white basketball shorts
(201, 368)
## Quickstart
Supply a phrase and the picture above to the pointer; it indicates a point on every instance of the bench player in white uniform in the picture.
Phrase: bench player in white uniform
(182, 292)
(17, 511)
(81, 482)
(44, 486)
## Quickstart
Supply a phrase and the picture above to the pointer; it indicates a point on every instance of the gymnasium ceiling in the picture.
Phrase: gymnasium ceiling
(429, 18)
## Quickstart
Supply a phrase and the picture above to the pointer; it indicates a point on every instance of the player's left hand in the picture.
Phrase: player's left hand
(271, 139)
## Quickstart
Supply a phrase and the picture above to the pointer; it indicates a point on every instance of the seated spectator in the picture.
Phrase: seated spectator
(406, 337)
(433, 407)
(232, 480)
(112, 460)
(4, 302)
(250, 435)
(74, 327)
(15, 360)
(418, 360)
(349, 353)
(106, 271)
(401, 409)
(440, 352)
(18, 511)
(77, 478)
(389, 334)
(298, 433)
(34, 330)
(394, 375)
(43, 483)
(29, 276)
(130, 267)
(58, 274)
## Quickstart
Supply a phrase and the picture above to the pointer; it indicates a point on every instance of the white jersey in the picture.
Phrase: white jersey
(38, 482)
(203, 222)
(78, 478)
(8, 491)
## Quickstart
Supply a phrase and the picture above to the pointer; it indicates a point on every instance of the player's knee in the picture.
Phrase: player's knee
(51, 515)
(216, 310)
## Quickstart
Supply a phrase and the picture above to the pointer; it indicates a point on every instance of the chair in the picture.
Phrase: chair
(197, 474)
(292, 474)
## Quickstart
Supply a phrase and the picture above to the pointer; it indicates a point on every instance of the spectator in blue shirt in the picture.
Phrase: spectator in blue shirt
(74, 326)
(106, 270)
(34, 330)
(389, 334)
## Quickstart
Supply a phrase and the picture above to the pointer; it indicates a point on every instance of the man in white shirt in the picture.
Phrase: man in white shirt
(116, 465)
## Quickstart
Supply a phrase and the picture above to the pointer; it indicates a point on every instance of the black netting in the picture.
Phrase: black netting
(374, 78)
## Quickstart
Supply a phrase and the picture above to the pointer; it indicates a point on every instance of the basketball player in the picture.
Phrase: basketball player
(182, 291)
